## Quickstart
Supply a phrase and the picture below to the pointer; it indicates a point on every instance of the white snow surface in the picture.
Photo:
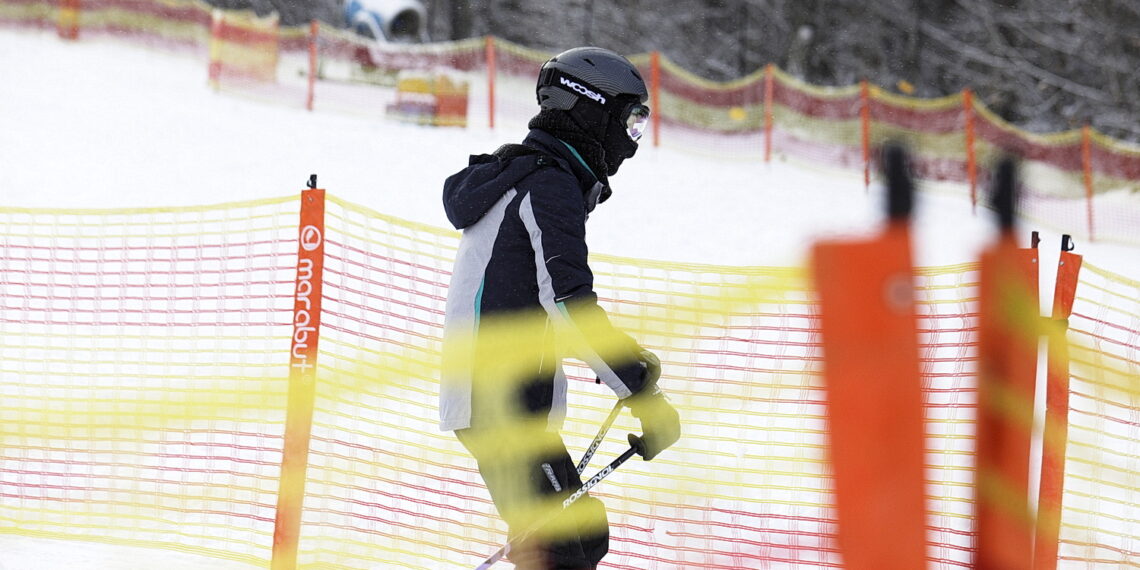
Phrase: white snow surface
(101, 124)
(104, 124)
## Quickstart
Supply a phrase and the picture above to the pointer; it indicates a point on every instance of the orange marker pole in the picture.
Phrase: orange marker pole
(865, 120)
(302, 377)
(1045, 546)
(490, 56)
(769, 89)
(215, 66)
(971, 158)
(67, 25)
(1008, 333)
(874, 394)
(314, 30)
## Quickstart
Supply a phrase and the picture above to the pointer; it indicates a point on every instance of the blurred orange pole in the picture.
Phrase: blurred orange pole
(302, 378)
(874, 399)
(865, 116)
(971, 159)
(67, 25)
(769, 89)
(1049, 501)
(490, 55)
(215, 65)
(314, 30)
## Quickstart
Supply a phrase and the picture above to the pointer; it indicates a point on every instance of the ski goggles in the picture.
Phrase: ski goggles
(636, 118)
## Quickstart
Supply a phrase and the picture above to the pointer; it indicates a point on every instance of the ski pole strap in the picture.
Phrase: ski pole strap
(597, 478)
(586, 457)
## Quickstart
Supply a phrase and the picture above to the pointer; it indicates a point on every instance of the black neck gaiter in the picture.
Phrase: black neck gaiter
(563, 127)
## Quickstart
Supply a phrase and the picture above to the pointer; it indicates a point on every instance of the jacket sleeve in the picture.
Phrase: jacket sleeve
(554, 215)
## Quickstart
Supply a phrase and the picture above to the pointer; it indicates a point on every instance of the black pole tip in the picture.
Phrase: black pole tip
(1003, 192)
(900, 182)
(312, 183)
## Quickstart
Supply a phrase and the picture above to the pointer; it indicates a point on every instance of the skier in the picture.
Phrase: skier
(521, 297)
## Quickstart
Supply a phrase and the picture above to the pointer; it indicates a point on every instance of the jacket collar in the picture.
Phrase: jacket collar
(566, 156)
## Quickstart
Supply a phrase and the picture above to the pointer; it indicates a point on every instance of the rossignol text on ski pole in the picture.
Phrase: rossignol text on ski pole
(636, 447)
(589, 454)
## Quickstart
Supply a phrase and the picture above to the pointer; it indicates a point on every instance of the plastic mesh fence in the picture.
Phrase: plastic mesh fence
(427, 485)
(817, 124)
(245, 57)
(363, 77)
(167, 24)
(1100, 520)
(1114, 174)
(383, 480)
(718, 119)
(145, 370)
(141, 392)
(417, 501)
(28, 14)
(947, 305)
(516, 72)
(162, 23)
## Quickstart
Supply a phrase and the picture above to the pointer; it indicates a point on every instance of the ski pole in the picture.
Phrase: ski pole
(636, 447)
(589, 454)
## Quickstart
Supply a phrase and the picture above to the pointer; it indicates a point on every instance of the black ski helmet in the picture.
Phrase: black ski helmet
(592, 73)
(599, 90)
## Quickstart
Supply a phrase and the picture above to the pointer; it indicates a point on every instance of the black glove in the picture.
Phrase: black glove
(660, 424)
(652, 366)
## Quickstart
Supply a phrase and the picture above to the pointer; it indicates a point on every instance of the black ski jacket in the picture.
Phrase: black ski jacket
(523, 257)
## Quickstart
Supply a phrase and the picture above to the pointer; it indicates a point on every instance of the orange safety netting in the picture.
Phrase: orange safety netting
(149, 361)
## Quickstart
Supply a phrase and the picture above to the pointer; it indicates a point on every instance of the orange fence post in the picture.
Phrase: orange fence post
(873, 385)
(67, 25)
(655, 94)
(69, 19)
(215, 66)
(1086, 164)
(1008, 329)
(769, 88)
(1056, 437)
(490, 55)
(314, 30)
(874, 398)
(971, 159)
(302, 377)
(865, 119)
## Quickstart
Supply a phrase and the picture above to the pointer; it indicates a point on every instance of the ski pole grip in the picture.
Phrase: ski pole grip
(637, 444)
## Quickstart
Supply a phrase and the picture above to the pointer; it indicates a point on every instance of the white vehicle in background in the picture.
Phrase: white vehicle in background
(388, 21)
